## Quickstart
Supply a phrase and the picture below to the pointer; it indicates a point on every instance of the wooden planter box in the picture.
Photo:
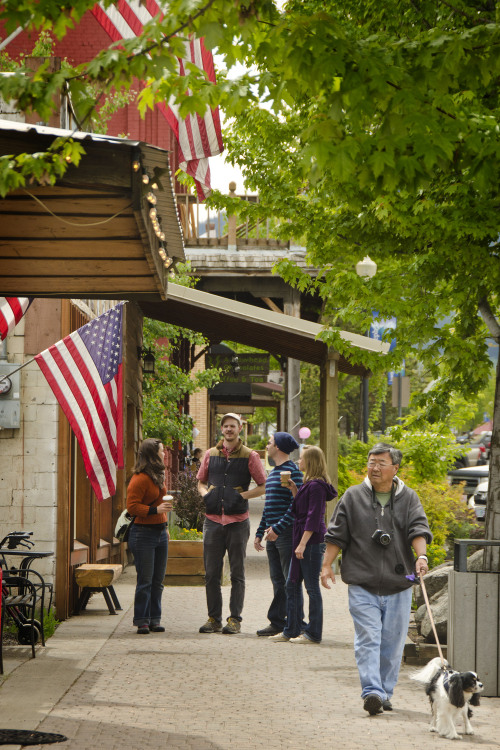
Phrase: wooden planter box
(185, 564)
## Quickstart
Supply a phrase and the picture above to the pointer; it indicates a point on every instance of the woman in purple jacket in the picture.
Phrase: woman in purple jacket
(308, 508)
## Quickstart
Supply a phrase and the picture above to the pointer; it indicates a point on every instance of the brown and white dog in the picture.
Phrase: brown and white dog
(451, 694)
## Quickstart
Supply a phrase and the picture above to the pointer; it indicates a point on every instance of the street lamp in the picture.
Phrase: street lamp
(366, 269)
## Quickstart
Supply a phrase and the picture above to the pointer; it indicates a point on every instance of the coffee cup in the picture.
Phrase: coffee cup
(285, 477)
(168, 499)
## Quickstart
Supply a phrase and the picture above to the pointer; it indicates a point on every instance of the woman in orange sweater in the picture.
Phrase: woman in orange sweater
(148, 538)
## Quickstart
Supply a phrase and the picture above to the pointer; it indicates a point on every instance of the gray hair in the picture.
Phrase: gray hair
(395, 453)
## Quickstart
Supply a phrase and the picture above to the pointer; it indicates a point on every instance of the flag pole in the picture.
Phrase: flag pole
(17, 369)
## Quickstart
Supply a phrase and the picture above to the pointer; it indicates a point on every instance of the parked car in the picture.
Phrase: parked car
(471, 476)
(479, 499)
(479, 451)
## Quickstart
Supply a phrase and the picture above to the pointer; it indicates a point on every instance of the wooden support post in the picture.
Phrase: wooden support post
(291, 305)
(231, 222)
(328, 435)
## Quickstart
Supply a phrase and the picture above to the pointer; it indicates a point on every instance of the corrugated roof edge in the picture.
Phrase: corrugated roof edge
(280, 320)
(79, 135)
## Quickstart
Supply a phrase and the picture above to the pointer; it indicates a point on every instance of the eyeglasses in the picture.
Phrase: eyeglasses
(372, 464)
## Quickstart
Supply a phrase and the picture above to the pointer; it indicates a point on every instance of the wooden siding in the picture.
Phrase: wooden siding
(91, 234)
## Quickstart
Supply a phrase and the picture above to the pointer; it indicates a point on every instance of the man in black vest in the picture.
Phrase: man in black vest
(223, 480)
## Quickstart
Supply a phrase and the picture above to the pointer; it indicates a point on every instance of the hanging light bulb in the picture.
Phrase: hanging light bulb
(136, 165)
(145, 179)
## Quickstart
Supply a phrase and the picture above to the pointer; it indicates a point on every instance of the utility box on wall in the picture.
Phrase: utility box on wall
(10, 403)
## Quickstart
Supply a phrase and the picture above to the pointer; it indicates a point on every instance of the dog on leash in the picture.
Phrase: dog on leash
(451, 694)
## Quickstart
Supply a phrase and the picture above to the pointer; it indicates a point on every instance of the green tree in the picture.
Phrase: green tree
(163, 391)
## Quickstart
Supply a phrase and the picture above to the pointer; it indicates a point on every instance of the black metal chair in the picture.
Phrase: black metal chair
(19, 598)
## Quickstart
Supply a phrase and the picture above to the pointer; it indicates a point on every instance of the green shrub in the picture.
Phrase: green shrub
(50, 623)
(256, 442)
(178, 535)
(448, 515)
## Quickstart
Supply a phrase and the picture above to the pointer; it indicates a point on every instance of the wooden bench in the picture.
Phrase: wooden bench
(93, 577)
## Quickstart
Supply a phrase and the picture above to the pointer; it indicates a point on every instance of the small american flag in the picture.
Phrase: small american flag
(198, 137)
(12, 310)
(84, 371)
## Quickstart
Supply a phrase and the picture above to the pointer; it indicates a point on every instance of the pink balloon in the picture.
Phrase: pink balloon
(304, 433)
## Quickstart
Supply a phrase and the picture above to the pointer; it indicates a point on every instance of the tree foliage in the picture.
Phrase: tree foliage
(163, 392)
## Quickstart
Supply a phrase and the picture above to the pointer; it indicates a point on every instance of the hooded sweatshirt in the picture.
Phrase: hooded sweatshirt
(308, 507)
(379, 569)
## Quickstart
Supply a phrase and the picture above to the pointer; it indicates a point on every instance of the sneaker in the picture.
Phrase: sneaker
(373, 704)
(268, 631)
(302, 638)
(157, 628)
(387, 705)
(211, 626)
(143, 630)
(233, 626)
(279, 638)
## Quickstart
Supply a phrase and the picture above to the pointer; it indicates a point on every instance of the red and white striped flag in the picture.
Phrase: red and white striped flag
(12, 310)
(84, 371)
(198, 137)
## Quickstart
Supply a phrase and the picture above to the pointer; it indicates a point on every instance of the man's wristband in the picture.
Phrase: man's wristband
(424, 557)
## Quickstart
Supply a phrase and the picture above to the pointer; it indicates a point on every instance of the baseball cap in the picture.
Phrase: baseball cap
(231, 415)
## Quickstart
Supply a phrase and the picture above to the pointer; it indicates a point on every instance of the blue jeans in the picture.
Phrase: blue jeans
(310, 568)
(380, 630)
(149, 545)
(279, 555)
(217, 540)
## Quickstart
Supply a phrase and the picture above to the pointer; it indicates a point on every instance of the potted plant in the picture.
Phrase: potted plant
(185, 549)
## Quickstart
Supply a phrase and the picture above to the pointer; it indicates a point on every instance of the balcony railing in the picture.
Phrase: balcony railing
(203, 226)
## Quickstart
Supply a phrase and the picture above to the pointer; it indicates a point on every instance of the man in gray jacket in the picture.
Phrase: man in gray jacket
(382, 530)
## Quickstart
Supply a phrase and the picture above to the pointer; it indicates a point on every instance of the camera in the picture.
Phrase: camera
(382, 537)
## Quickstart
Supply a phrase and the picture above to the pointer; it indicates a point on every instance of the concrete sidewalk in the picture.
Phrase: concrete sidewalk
(101, 685)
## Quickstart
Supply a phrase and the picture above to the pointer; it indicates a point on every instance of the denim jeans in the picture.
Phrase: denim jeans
(279, 555)
(149, 545)
(217, 540)
(310, 568)
(380, 630)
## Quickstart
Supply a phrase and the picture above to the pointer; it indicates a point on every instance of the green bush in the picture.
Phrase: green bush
(256, 442)
(177, 534)
(448, 515)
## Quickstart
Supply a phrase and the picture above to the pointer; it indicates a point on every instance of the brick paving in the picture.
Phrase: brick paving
(101, 685)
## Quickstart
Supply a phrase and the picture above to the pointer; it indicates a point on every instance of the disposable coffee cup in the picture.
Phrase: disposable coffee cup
(168, 499)
(285, 476)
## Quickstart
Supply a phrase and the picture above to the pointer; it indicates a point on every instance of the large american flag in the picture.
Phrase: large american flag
(198, 137)
(84, 371)
(12, 310)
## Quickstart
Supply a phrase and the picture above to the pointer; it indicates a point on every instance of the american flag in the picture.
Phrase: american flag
(198, 137)
(12, 310)
(84, 371)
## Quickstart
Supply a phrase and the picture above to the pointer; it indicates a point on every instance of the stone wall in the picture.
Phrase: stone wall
(28, 457)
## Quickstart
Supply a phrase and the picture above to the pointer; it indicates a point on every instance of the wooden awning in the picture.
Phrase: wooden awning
(91, 235)
(219, 318)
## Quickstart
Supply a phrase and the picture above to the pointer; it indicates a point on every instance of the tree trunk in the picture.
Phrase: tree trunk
(492, 554)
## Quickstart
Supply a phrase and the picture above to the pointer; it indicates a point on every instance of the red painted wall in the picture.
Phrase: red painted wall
(81, 45)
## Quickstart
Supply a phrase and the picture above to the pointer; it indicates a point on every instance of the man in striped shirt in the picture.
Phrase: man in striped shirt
(276, 526)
